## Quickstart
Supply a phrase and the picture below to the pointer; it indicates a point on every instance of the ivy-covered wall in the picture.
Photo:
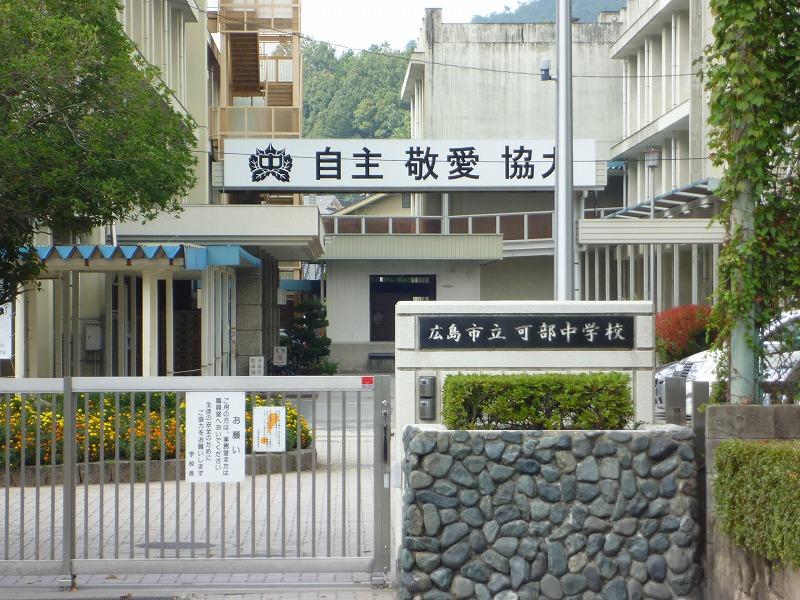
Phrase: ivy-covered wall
(511, 515)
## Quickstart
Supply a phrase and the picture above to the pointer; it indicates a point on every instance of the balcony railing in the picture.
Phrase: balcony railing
(600, 213)
(512, 226)
(381, 225)
(254, 121)
(252, 15)
(522, 226)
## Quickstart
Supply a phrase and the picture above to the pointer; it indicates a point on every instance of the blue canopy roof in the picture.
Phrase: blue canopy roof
(196, 258)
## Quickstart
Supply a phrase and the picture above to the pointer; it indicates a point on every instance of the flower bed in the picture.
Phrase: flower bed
(143, 427)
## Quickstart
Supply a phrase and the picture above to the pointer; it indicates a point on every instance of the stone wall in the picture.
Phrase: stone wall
(732, 572)
(549, 514)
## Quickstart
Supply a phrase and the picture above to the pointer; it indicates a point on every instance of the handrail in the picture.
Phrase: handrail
(307, 383)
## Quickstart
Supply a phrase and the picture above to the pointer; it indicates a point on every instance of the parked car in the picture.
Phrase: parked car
(781, 340)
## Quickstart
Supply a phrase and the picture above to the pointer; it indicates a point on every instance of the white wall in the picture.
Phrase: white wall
(502, 94)
(347, 295)
(522, 278)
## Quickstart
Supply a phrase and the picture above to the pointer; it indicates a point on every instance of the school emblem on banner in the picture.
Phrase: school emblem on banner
(270, 162)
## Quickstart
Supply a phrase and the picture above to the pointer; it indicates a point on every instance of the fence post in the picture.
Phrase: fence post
(675, 400)
(70, 466)
(381, 466)
(701, 393)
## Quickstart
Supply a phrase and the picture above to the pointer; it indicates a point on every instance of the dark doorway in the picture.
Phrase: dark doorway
(186, 328)
(387, 290)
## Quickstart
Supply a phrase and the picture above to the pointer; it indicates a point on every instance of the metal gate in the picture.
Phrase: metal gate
(93, 480)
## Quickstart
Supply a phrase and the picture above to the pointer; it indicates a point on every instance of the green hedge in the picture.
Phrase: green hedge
(757, 491)
(541, 401)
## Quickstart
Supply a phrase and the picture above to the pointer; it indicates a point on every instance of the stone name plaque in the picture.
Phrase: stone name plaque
(526, 332)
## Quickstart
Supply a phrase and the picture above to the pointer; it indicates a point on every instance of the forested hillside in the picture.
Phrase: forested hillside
(354, 95)
(544, 11)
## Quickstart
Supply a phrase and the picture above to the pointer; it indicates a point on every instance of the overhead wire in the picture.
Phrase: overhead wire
(413, 142)
(405, 58)
(408, 59)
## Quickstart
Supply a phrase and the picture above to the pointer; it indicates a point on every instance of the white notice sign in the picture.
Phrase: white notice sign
(215, 436)
(6, 332)
(280, 356)
(269, 429)
(256, 366)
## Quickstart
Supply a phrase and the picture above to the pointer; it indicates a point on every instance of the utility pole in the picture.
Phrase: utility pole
(743, 334)
(565, 223)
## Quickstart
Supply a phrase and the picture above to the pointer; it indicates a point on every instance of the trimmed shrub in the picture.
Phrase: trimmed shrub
(757, 489)
(537, 401)
(681, 331)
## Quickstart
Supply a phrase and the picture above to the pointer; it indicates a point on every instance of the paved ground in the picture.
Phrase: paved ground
(326, 513)
(197, 587)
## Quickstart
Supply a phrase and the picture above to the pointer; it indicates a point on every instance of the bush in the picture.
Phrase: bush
(757, 489)
(93, 432)
(541, 401)
(328, 367)
(304, 340)
(681, 331)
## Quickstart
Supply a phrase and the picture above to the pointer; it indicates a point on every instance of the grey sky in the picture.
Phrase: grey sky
(361, 23)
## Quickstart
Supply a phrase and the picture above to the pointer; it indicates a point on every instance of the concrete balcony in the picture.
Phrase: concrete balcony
(653, 133)
(650, 21)
(286, 232)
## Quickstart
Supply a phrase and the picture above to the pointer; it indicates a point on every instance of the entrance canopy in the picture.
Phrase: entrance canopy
(161, 257)
(688, 200)
(292, 165)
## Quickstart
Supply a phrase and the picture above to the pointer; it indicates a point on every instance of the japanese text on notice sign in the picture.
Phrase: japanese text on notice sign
(215, 445)
(269, 429)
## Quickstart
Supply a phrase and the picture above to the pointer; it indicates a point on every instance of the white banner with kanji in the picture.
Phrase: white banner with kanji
(292, 165)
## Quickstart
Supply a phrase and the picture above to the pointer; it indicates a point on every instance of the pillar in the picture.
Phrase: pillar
(122, 327)
(58, 326)
(133, 330)
(149, 324)
(108, 326)
(75, 327)
(20, 346)
(169, 325)
(206, 323)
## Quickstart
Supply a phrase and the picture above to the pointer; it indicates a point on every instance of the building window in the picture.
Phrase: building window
(406, 201)
(387, 290)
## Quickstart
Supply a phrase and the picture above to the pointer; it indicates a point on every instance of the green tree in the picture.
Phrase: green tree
(306, 345)
(355, 95)
(87, 132)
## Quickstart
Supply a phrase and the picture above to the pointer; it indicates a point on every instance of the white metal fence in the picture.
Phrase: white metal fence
(93, 480)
